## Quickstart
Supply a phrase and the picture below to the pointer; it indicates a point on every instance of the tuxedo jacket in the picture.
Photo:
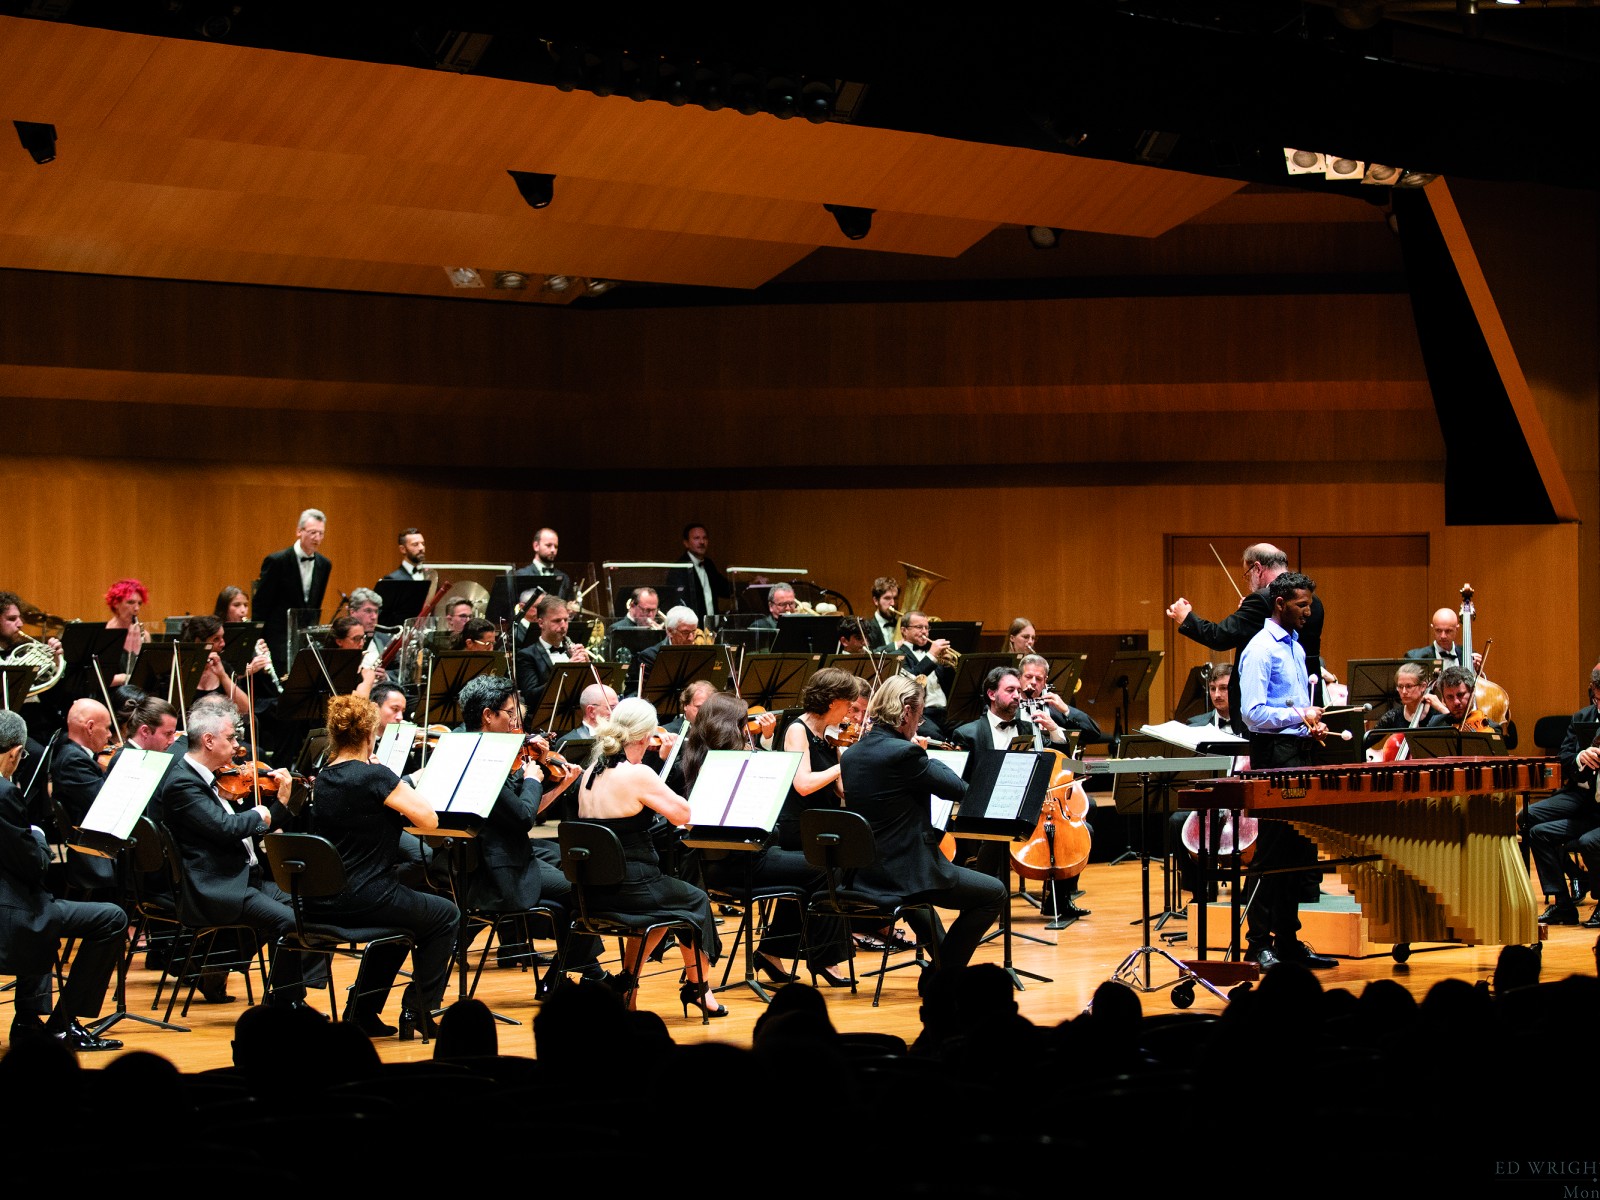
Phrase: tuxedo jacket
(1428, 654)
(683, 586)
(278, 590)
(555, 583)
(978, 735)
(888, 780)
(75, 781)
(216, 868)
(917, 663)
(1201, 720)
(399, 573)
(27, 931)
(534, 667)
(507, 877)
(877, 639)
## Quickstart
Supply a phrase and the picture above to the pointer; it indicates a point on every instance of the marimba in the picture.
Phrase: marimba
(1433, 841)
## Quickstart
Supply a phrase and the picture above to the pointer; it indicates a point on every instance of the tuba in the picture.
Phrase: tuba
(47, 667)
(912, 597)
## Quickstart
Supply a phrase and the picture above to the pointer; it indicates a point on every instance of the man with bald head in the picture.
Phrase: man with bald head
(597, 701)
(75, 779)
(1263, 562)
(1445, 626)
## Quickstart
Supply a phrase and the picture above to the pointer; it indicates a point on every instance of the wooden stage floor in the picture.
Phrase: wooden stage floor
(1081, 958)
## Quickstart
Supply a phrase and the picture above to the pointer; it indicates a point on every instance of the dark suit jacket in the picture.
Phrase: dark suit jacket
(75, 781)
(399, 573)
(556, 583)
(27, 934)
(1428, 654)
(1235, 631)
(977, 735)
(278, 590)
(1201, 720)
(877, 639)
(888, 780)
(534, 667)
(683, 587)
(216, 868)
(925, 664)
(507, 877)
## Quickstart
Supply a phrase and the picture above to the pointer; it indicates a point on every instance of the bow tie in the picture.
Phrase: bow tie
(1012, 724)
(303, 558)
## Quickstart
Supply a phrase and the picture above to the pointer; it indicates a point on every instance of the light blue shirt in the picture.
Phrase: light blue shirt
(1273, 687)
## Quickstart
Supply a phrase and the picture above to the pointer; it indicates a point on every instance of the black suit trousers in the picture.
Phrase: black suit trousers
(978, 897)
(100, 929)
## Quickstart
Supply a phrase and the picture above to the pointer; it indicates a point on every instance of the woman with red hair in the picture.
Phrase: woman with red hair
(125, 598)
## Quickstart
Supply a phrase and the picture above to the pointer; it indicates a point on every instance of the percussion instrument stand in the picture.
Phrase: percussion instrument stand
(1127, 972)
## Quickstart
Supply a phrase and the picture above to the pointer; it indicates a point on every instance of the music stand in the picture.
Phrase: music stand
(560, 705)
(1166, 771)
(402, 598)
(1453, 743)
(869, 666)
(628, 644)
(239, 644)
(317, 676)
(15, 680)
(966, 698)
(1066, 669)
(775, 681)
(506, 591)
(106, 832)
(746, 640)
(675, 668)
(173, 668)
(1194, 697)
(1005, 793)
(1371, 680)
(1129, 672)
(962, 635)
(83, 643)
(447, 674)
(807, 635)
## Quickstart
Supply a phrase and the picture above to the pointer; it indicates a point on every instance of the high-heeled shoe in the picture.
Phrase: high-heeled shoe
(699, 995)
(773, 974)
(420, 1021)
(829, 978)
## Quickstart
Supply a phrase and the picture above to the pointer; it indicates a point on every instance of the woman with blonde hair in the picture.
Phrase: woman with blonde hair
(629, 799)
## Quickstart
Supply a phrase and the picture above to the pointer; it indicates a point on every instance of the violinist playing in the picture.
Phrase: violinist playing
(1455, 690)
(510, 876)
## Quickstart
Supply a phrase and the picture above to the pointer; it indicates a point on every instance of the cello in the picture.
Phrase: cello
(1061, 840)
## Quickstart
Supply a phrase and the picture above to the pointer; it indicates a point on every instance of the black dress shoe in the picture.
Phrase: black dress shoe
(1559, 914)
(1592, 921)
(370, 1023)
(1262, 956)
(214, 988)
(79, 1038)
(1305, 956)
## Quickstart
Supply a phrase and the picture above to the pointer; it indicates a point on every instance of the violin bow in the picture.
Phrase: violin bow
(1227, 573)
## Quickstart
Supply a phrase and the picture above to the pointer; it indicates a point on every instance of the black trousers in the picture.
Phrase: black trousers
(100, 929)
(1275, 907)
(977, 897)
(430, 920)
(1549, 825)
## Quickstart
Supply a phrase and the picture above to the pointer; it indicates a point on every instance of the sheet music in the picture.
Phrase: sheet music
(1010, 788)
(742, 788)
(1177, 733)
(394, 747)
(466, 770)
(939, 808)
(125, 793)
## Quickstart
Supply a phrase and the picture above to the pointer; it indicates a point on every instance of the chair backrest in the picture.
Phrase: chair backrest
(304, 865)
(591, 855)
(147, 852)
(1550, 732)
(836, 839)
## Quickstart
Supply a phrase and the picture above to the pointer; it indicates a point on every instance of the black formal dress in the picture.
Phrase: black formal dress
(646, 892)
(223, 883)
(1571, 814)
(75, 780)
(32, 922)
(1234, 632)
(279, 589)
(350, 812)
(889, 780)
(512, 878)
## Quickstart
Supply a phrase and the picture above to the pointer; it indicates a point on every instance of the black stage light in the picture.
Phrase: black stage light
(538, 190)
(38, 139)
(855, 223)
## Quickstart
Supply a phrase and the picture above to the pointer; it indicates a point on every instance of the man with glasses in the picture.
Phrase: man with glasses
(780, 603)
(921, 655)
(1263, 563)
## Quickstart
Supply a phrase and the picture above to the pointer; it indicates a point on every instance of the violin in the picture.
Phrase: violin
(241, 780)
(845, 733)
(535, 749)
